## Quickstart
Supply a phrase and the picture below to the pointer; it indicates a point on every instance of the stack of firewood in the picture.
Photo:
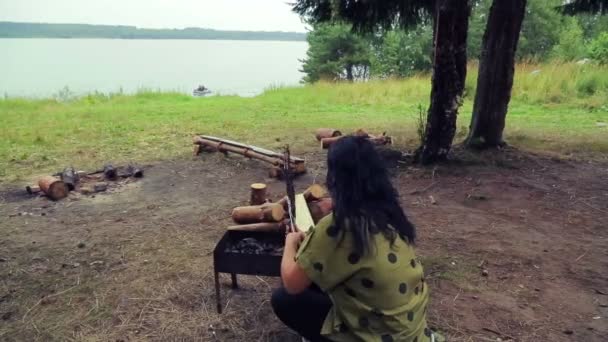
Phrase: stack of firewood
(265, 216)
(59, 185)
(328, 136)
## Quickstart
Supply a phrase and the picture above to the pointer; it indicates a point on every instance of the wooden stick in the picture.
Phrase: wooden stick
(54, 188)
(260, 227)
(258, 194)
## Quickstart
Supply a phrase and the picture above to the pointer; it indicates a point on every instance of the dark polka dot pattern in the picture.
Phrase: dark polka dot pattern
(353, 258)
(413, 263)
(415, 339)
(332, 231)
(427, 332)
(363, 322)
(318, 266)
(350, 292)
(403, 288)
(392, 258)
(416, 290)
(367, 283)
(387, 338)
(377, 312)
(410, 316)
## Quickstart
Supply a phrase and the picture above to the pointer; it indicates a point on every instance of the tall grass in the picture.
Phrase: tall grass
(557, 109)
(556, 82)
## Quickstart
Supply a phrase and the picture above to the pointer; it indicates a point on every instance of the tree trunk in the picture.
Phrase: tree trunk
(496, 68)
(349, 72)
(449, 73)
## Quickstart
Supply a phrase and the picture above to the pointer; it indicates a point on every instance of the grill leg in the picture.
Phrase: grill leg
(234, 283)
(217, 293)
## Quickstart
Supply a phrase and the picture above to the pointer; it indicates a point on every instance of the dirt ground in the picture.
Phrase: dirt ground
(135, 264)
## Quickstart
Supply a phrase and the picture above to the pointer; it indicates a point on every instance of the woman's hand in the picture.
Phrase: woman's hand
(293, 240)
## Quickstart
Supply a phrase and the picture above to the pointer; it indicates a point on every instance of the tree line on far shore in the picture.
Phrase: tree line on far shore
(36, 30)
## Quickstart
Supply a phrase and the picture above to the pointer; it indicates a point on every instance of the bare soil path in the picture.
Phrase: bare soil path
(135, 264)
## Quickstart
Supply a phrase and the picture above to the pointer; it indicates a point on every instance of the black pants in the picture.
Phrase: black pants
(304, 313)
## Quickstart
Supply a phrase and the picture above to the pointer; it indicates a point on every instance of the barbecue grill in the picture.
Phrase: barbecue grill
(227, 258)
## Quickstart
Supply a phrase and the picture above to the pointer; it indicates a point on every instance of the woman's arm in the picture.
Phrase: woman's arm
(294, 278)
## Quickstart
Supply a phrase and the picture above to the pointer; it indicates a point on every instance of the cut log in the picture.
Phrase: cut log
(304, 220)
(376, 140)
(70, 178)
(271, 227)
(32, 189)
(53, 187)
(315, 192)
(361, 133)
(270, 212)
(109, 172)
(322, 133)
(327, 142)
(321, 208)
(258, 194)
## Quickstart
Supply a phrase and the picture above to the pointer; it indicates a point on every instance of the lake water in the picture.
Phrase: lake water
(42, 67)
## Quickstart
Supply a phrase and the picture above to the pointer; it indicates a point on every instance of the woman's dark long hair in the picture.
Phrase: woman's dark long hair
(365, 202)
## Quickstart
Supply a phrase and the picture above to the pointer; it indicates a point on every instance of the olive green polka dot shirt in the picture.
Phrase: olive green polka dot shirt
(380, 296)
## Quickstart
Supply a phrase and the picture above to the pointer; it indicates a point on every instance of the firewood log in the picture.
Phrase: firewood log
(322, 133)
(260, 227)
(321, 208)
(376, 140)
(270, 212)
(53, 187)
(327, 142)
(258, 194)
(315, 192)
(70, 178)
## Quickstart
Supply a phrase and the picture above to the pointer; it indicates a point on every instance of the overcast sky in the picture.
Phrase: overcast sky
(254, 15)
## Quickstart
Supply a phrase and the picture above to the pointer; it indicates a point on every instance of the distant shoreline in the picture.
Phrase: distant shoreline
(86, 31)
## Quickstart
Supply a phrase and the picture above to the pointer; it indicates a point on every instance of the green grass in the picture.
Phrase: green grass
(556, 110)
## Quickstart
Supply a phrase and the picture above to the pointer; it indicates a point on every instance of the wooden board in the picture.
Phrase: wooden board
(304, 220)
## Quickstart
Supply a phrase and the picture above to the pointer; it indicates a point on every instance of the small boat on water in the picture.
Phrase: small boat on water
(201, 90)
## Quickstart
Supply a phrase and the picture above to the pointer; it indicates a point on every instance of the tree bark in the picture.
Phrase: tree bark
(496, 69)
(449, 73)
